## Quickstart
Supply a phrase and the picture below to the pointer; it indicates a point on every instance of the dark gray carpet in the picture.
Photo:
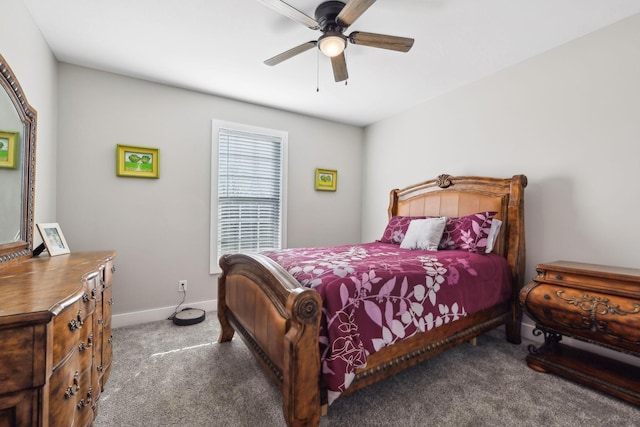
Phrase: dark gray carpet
(167, 375)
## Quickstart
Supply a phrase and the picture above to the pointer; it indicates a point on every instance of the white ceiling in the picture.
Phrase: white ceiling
(218, 47)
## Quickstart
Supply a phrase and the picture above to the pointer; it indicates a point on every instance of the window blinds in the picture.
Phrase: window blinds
(249, 191)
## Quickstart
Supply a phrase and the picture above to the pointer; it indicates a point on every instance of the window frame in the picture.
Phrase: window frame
(216, 125)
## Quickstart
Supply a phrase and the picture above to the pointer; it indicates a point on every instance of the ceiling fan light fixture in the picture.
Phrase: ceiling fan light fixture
(332, 44)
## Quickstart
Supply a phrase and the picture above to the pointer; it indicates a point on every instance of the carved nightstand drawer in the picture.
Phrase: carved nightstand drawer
(602, 281)
(593, 316)
(593, 303)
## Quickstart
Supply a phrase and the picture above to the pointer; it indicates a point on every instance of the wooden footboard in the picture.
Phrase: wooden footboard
(279, 320)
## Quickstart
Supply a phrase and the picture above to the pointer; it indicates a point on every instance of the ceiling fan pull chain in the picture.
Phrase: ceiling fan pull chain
(318, 70)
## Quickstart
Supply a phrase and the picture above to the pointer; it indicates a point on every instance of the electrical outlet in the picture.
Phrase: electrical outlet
(182, 286)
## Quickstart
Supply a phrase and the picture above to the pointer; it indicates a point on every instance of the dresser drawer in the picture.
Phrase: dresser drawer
(63, 389)
(107, 302)
(91, 289)
(66, 331)
(107, 353)
(594, 316)
(96, 389)
(85, 344)
(105, 376)
(16, 409)
(16, 358)
(108, 271)
(107, 338)
(84, 400)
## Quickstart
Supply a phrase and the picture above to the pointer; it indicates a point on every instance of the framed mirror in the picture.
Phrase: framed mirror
(17, 169)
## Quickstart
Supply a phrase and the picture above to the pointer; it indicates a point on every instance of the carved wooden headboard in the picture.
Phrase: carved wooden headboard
(455, 196)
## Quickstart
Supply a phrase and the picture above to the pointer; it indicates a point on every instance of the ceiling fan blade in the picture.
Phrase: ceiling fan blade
(401, 44)
(291, 13)
(339, 65)
(291, 53)
(352, 11)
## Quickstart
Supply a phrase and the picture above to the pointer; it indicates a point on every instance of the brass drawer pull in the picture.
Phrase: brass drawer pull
(68, 393)
(558, 276)
(73, 325)
(76, 324)
(110, 301)
(110, 339)
(85, 297)
(82, 346)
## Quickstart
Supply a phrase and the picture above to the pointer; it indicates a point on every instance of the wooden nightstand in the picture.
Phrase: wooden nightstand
(594, 303)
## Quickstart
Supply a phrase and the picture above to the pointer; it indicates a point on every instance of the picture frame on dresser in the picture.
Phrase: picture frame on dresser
(53, 238)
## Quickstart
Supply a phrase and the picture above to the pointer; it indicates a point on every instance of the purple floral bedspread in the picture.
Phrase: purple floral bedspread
(375, 294)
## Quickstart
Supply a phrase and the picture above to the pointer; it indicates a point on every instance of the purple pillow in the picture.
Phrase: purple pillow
(467, 233)
(397, 228)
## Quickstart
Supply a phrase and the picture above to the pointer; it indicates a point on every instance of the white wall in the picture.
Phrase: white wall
(568, 119)
(160, 228)
(26, 52)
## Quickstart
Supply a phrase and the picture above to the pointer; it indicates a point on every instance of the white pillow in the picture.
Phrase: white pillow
(493, 234)
(424, 234)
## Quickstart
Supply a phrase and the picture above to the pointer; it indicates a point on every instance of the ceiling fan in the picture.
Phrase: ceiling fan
(332, 18)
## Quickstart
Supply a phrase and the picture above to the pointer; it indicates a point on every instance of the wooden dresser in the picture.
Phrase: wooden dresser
(55, 339)
(597, 304)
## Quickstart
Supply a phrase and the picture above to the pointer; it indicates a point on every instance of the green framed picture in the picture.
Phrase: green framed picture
(326, 180)
(137, 162)
(8, 150)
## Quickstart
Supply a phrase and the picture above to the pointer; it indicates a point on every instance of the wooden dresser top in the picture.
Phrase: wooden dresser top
(35, 290)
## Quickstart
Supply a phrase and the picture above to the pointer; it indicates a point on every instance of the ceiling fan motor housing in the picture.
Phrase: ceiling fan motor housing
(326, 14)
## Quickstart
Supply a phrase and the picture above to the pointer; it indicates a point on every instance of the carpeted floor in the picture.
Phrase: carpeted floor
(167, 375)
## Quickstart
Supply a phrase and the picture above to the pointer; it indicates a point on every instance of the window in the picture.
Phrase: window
(248, 188)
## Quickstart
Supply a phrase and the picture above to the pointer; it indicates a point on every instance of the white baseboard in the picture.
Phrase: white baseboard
(527, 332)
(138, 317)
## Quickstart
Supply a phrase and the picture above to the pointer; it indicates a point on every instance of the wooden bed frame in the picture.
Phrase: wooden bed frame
(279, 320)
